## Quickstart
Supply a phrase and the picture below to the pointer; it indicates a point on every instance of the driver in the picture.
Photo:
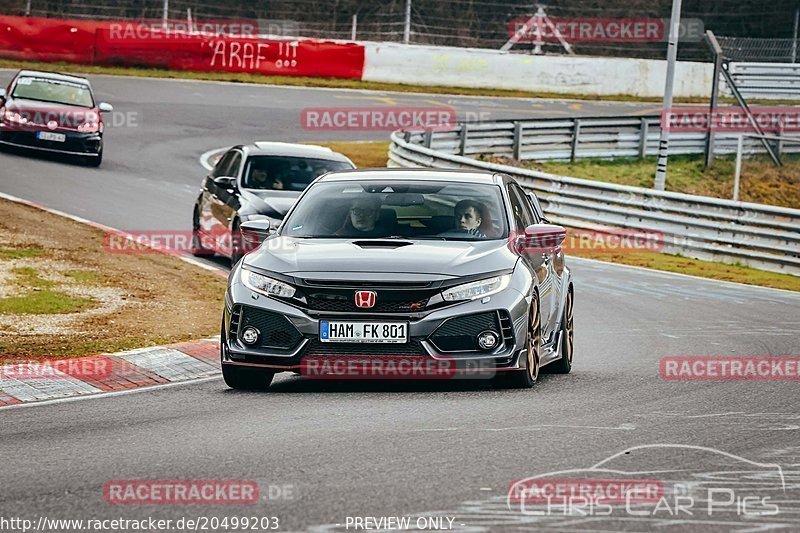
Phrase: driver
(362, 218)
(259, 179)
(469, 217)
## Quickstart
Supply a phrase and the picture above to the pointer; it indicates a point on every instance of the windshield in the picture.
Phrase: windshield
(56, 91)
(411, 209)
(286, 173)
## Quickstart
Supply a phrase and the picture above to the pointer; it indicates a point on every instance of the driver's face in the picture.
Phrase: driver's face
(259, 175)
(468, 219)
(363, 215)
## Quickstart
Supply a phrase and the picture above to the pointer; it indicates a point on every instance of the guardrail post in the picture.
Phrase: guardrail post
(427, 138)
(407, 136)
(738, 172)
(462, 139)
(576, 132)
(779, 146)
(643, 131)
(517, 145)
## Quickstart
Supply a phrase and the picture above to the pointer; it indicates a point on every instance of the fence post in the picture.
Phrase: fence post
(779, 147)
(576, 132)
(427, 138)
(716, 50)
(643, 131)
(462, 139)
(738, 172)
(517, 146)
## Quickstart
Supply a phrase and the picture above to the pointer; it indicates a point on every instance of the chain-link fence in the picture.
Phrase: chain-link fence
(462, 23)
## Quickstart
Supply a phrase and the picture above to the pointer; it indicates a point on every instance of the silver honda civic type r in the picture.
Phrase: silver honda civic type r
(448, 273)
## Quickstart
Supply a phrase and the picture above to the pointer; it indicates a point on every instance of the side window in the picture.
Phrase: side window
(223, 165)
(521, 218)
(533, 206)
(233, 168)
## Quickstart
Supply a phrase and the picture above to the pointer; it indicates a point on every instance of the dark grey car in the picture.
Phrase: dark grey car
(427, 273)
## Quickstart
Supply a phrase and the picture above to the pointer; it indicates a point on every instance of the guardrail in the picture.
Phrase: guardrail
(567, 139)
(760, 236)
(766, 80)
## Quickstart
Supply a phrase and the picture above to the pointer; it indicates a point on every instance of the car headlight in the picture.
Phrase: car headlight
(477, 289)
(267, 286)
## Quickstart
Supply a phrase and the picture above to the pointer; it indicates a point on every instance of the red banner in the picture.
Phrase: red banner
(143, 44)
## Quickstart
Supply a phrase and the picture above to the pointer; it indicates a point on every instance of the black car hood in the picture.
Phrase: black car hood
(269, 203)
(289, 255)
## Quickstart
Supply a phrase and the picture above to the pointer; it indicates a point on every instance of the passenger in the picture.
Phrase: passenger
(362, 218)
(471, 217)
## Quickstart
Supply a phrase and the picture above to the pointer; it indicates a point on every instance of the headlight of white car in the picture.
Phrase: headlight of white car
(268, 286)
(477, 289)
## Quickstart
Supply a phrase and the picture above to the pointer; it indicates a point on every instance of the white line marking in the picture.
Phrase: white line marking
(111, 394)
(206, 156)
(667, 274)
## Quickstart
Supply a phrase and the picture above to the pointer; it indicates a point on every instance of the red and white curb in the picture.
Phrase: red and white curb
(187, 361)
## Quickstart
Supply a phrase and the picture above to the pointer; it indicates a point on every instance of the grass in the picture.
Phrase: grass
(40, 297)
(19, 253)
(368, 154)
(761, 182)
(82, 276)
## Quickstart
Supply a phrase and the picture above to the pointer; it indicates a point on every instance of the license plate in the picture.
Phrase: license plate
(50, 136)
(364, 332)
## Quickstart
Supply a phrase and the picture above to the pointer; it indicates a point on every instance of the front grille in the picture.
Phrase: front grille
(460, 334)
(386, 303)
(276, 332)
(330, 349)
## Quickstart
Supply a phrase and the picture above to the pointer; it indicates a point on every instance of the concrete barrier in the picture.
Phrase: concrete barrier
(471, 67)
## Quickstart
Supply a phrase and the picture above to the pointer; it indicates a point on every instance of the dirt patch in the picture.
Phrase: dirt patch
(128, 300)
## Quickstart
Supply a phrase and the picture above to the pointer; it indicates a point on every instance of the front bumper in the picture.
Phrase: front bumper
(76, 143)
(510, 307)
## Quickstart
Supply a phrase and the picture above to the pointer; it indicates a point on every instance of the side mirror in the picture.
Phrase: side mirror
(226, 182)
(542, 238)
(254, 232)
(105, 108)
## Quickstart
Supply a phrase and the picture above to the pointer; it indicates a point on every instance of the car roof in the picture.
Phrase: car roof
(53, 76)
(294, 150)
(415, 174)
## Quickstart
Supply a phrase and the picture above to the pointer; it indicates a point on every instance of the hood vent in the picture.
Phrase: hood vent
(379, 243)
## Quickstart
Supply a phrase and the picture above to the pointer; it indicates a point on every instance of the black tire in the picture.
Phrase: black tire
(564, 365)
(526, 379)
(246, 377)
(197, 247)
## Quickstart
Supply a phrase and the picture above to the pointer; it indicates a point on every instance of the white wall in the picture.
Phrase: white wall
(470, 67)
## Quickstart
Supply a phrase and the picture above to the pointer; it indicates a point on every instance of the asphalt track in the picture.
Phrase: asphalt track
(406, 448)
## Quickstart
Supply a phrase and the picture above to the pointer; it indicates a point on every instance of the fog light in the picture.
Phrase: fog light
(250, 335)
(487, 340)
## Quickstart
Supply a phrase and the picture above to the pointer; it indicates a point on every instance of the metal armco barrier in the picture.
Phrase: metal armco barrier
(760, 236)
(767, 80)
(567, 139)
